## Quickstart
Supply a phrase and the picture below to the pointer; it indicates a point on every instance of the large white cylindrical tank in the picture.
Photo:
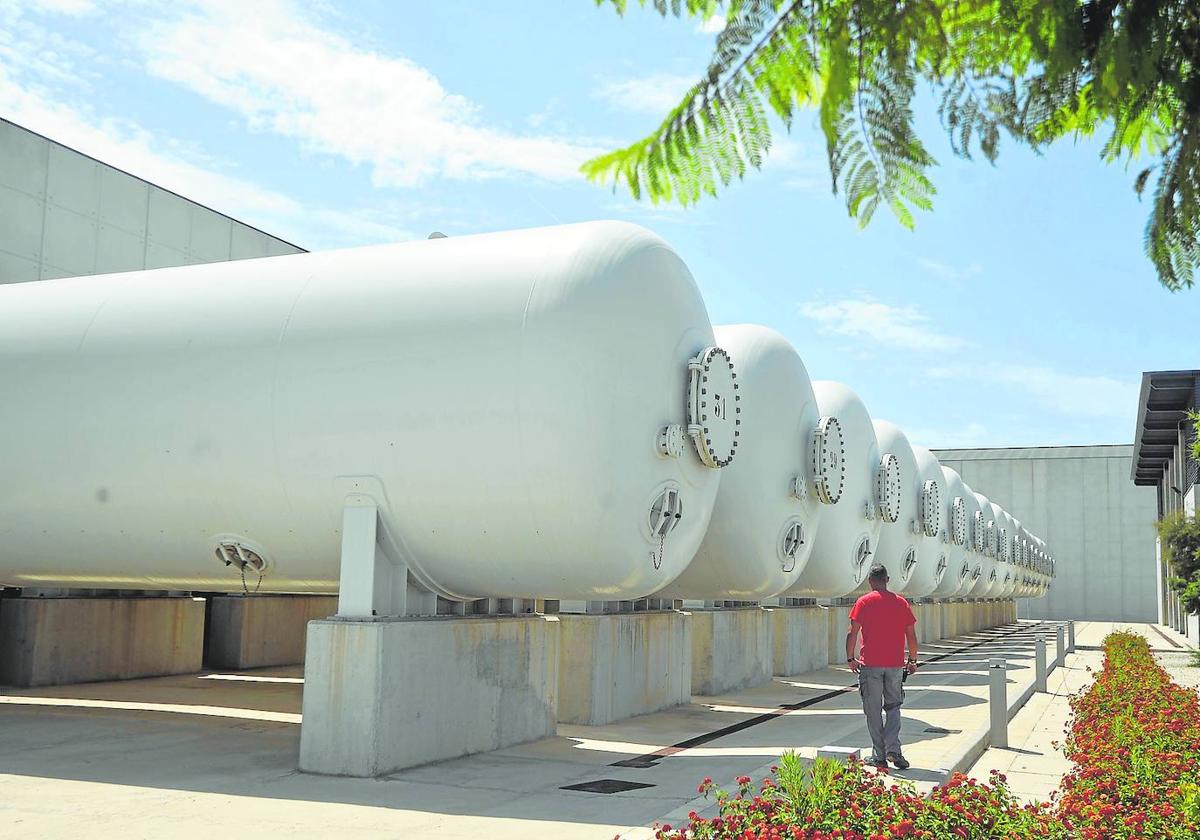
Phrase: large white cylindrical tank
(956, 540)
(766, 516)
(849, 462)
(1027, 562)
(1019, 557)
(517, 404)
(897, 546)
(1012, 568)
(1003, 567)
(933, 526)
(981, 565)
(991, 512)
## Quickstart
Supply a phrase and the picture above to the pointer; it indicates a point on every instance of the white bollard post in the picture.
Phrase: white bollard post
(1070, 637)
(1039, 660)
(998, 700)
(1060, 655)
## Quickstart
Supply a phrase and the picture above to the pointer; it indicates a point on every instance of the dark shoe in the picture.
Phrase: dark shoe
(879, 763)
(898, 760)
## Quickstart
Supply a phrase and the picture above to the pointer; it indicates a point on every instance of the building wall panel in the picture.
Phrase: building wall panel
(64, 214)
(1099, 525)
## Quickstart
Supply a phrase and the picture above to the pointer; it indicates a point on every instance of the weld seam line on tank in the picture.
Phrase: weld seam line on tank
(651, 759)
(1170, 641)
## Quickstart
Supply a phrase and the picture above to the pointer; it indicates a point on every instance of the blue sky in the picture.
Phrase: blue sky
(1020, 312)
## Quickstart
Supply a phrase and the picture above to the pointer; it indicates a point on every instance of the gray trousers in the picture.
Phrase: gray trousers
(882, 691)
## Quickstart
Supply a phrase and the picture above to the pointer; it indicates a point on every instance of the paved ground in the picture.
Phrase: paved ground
(1033, 764)
(213, 756)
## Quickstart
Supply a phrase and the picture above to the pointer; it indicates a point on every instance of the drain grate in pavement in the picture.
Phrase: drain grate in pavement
(606, 786)
(937, 730)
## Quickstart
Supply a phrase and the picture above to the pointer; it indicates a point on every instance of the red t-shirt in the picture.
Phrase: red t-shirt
(884, 617)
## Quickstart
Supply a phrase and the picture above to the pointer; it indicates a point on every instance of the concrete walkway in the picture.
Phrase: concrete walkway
(214, 755)
(1033, 764)
(1162, 639)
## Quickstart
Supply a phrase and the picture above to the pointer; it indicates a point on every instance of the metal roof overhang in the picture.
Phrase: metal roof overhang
(1163, 404)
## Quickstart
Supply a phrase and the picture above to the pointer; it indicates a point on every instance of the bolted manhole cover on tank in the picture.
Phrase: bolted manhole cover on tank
(887, 488)
(828, 450)
(931, 508)
(713, 410)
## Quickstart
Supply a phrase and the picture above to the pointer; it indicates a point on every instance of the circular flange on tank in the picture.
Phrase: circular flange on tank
(764, 520)
(953, 537)
(827, 450)
(888, 491)
(714, 410)
(897, 504)
(849, 531)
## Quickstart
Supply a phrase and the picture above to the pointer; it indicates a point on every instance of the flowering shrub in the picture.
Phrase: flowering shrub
(1135, 741)
(830, 800)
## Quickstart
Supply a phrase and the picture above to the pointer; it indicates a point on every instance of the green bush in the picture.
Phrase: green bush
(1194, 416)
(1180, 535)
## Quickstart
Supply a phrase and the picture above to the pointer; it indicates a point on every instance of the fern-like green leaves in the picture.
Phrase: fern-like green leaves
(1035, 70)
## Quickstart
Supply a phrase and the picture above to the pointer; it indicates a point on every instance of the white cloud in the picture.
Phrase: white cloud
(944, 271)
(879, 323)
(286, 74)
(1073, 394)
(956, 437)
(1056, 391)
(130, 147)
(798, 166)
(711, 26)
(66, 7)
(655, 94)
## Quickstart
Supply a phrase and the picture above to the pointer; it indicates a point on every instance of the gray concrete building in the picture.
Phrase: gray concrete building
(1163, 461)
(1097, 523)
(64, 214)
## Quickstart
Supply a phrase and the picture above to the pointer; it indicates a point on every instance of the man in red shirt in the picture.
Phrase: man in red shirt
(886, 622)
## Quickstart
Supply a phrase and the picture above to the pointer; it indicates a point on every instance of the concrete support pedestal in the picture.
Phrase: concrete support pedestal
(259, 631)
(616, 666)
(732, 647)
(57, 641)
(801, 639)
(384, 694)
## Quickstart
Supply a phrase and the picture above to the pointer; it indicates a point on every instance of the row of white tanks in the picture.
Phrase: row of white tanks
(543, 413)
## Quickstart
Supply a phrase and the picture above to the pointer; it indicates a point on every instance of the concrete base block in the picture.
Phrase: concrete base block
(383, 695)
(57, 641)
(801, 639)
(931, 623)
(836, 629)
(259, 631)
(731, 648)
(613, 667)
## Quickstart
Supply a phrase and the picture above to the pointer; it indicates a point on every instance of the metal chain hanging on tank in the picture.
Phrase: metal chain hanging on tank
(887, 488)
(665, 514)
(793, 541)
(712, 407)
(236, 554)
(828, 451)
